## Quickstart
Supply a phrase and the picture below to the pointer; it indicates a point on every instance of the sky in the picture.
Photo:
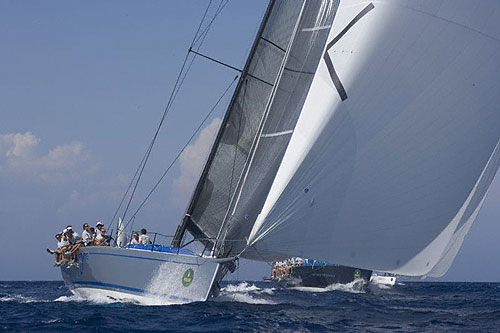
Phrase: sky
(82, 88)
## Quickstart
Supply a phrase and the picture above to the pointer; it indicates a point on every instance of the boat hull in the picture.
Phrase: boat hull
(323, 276)
(383, 280)
(140, 274)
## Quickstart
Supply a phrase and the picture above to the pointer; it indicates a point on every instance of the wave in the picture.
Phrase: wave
(95, 299)
(98, 299)
(22, 299)
(246, 293)
(355, 287)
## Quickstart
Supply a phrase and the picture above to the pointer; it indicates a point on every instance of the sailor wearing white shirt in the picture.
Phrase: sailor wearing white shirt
(144, 238)
(98, 227)
(135, 238)
(86, 236)
(101, 238)
(71, 235)
(74, 241)
(62, 241)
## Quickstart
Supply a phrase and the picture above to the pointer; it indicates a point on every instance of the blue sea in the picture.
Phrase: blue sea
(249, 306)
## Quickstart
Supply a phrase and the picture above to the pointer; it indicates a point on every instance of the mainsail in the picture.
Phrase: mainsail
(397, 141)
(273, 68)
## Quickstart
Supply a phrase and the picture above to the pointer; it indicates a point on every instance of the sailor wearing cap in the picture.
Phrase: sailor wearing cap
(98, 226)
(62, 245)
(75, 242)
(71, 235)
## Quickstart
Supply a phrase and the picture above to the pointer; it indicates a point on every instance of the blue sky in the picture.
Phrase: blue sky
(82, 87)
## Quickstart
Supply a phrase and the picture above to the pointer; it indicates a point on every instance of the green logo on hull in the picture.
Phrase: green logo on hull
(357, 274)
(187, 278)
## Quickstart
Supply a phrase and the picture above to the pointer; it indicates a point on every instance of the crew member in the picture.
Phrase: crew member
(135, 238)
(144, 238)
(86, 235)
(102, 239)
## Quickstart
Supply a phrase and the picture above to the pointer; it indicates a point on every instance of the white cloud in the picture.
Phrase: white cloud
(192, 160)
(18, 145)
(20, 154)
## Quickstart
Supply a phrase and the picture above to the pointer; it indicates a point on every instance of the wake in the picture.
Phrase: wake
(18, 298)
(356, 287)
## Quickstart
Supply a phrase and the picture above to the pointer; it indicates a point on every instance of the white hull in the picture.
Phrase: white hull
(144, 276)
(383, 280)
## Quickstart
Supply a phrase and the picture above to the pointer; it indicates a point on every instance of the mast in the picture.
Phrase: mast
(187, 222)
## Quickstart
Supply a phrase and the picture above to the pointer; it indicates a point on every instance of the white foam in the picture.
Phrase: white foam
(94, 298)
(245, 293)
(97, 298)
(355, 287)
(21, 299)
(241, 287)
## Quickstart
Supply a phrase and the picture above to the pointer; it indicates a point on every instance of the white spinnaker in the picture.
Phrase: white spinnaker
(380, 180)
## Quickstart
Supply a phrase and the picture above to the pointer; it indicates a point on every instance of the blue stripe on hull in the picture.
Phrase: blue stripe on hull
(109, 285)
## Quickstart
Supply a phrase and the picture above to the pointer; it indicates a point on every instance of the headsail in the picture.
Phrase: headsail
(395, 147)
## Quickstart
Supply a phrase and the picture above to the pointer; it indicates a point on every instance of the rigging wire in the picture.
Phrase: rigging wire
(201, 37)
(126, 192)
(182, 150)
(178, 83)
(219, 9)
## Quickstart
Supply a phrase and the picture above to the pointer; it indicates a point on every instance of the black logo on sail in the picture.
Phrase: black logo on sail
(333, 74)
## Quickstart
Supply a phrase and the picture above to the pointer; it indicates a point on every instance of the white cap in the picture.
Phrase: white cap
(65, 230)
(69, 228)
(99, 223)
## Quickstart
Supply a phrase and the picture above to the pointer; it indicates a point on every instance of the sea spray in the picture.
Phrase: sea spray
(171, 280)
(246, 293)
(356, 287)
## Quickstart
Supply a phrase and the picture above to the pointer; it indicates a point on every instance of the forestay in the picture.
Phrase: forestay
(396, 144)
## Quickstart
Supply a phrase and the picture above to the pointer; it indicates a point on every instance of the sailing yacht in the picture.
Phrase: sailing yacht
(361, 133)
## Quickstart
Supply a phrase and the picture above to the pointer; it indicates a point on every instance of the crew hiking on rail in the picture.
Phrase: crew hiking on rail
(69, 242)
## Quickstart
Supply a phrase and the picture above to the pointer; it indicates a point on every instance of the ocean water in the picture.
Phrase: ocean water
(261, 306)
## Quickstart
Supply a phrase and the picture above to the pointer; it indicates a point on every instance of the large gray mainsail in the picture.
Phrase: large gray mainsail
(302, 57)
(231, 150)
